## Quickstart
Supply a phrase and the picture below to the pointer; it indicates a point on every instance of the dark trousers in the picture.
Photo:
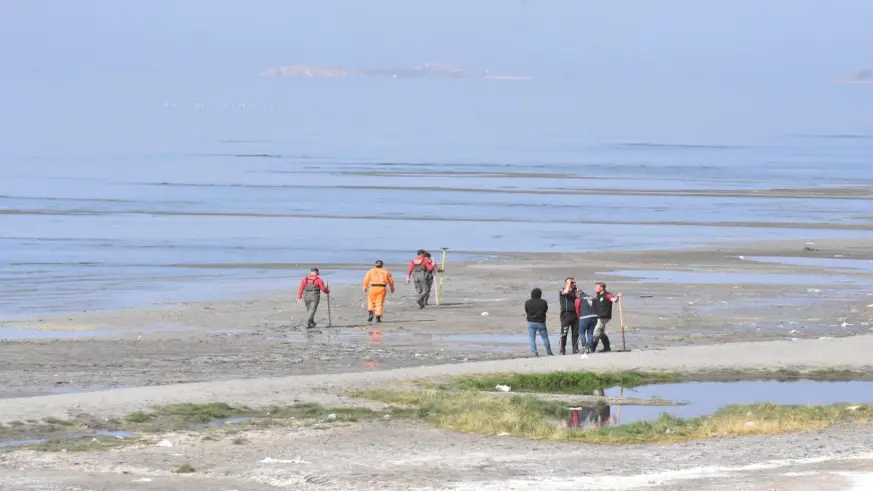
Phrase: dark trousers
(569, 322)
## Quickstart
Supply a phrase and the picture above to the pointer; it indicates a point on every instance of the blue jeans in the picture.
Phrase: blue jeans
(586, 330)
(532, 328)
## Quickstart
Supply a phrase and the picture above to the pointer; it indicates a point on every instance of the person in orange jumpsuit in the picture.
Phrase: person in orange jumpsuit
(376, 283)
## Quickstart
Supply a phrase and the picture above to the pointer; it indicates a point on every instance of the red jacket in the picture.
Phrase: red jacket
(424, 261)
(313, 278)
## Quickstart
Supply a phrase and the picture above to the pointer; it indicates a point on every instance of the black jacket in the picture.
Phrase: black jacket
(536, 309)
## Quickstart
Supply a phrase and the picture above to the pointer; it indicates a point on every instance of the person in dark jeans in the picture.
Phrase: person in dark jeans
(569, 319)
(587, 320)
(535, 309)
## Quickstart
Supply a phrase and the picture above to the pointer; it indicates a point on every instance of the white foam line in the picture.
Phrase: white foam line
(863, 482)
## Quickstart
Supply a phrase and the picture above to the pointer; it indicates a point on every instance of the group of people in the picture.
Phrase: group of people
(377, 281)
(584, 317)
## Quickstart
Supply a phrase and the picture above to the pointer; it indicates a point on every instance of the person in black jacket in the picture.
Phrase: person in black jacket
(602, 305)
(569, 319)
(535, 309)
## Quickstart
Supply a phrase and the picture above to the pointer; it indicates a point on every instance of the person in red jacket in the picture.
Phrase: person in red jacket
(309, 291)
(419, 269)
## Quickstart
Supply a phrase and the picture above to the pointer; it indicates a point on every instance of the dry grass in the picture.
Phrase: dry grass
(528, 417)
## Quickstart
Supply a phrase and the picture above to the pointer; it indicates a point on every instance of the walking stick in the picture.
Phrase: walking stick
(329, 322)
(621, 321)
(442, 276)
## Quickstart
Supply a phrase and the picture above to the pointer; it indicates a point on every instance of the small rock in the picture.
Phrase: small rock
(164, 443)
(826, 337)
(583, 357)
(387, 416)
(142, 479)
(813, 290)
(794, 331)
(485, 314)
(503, 388)
(750, 424)
(846, 324)
(270, 460)
(503, 434)
(330, 417)
(853, 408)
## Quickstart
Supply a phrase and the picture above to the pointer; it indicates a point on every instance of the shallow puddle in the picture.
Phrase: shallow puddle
(704, 398)
(846, 265)
(36, 441)
(16, 334)
(16, 392)
(220, 422)
(722, 278)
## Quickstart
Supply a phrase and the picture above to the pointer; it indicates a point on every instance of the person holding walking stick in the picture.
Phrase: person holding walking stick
(311, 287)
(602, 305)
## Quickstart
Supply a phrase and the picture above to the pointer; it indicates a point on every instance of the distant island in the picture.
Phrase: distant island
(429, 70)
(862, 77)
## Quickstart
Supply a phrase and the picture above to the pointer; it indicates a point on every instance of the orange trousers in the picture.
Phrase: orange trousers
(376, 299)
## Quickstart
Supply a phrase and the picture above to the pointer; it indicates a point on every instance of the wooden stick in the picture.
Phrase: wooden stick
(329, 321)
(621, 320)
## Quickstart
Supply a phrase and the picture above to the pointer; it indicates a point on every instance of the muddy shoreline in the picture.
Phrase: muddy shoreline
(750, 311)
(263, 336)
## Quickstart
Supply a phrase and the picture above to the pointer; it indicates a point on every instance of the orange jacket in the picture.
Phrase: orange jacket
(378, 276)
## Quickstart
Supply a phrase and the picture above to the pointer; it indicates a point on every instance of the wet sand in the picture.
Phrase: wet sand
(716, 297)
(741, 307)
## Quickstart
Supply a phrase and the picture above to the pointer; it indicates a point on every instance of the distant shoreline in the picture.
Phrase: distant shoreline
(429, 70)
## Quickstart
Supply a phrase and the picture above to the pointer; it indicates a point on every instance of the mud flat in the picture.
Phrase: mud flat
(766, 291)
(733, 310)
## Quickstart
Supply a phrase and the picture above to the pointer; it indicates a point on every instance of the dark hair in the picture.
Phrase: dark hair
(536, 293)
(379, 263)
(314, 270)
(420, 252)
(602, 284)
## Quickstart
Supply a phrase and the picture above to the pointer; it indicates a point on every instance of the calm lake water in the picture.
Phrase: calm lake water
(131, 198)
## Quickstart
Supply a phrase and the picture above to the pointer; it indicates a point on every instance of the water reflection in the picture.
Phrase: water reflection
(698, 399)
(591, 417)
(374, 336)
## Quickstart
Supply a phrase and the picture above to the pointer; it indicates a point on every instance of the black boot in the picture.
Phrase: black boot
(593, 347)
(562, 346)
(575, 346)
(605, 339)
(370, 317)
(378, 318)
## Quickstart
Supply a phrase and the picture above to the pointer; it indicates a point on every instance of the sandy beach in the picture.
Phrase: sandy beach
(739, 308)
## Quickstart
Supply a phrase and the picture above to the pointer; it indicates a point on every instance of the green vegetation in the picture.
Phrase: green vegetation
(562, 382)
(85, 444)
(528, 417)
(178, 417)
(185, 468)
(58, 422)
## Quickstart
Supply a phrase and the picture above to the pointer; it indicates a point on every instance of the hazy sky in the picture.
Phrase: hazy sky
(646, 60)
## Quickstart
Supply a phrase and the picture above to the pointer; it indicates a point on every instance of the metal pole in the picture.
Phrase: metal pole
(442, 276)
(329, 321)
